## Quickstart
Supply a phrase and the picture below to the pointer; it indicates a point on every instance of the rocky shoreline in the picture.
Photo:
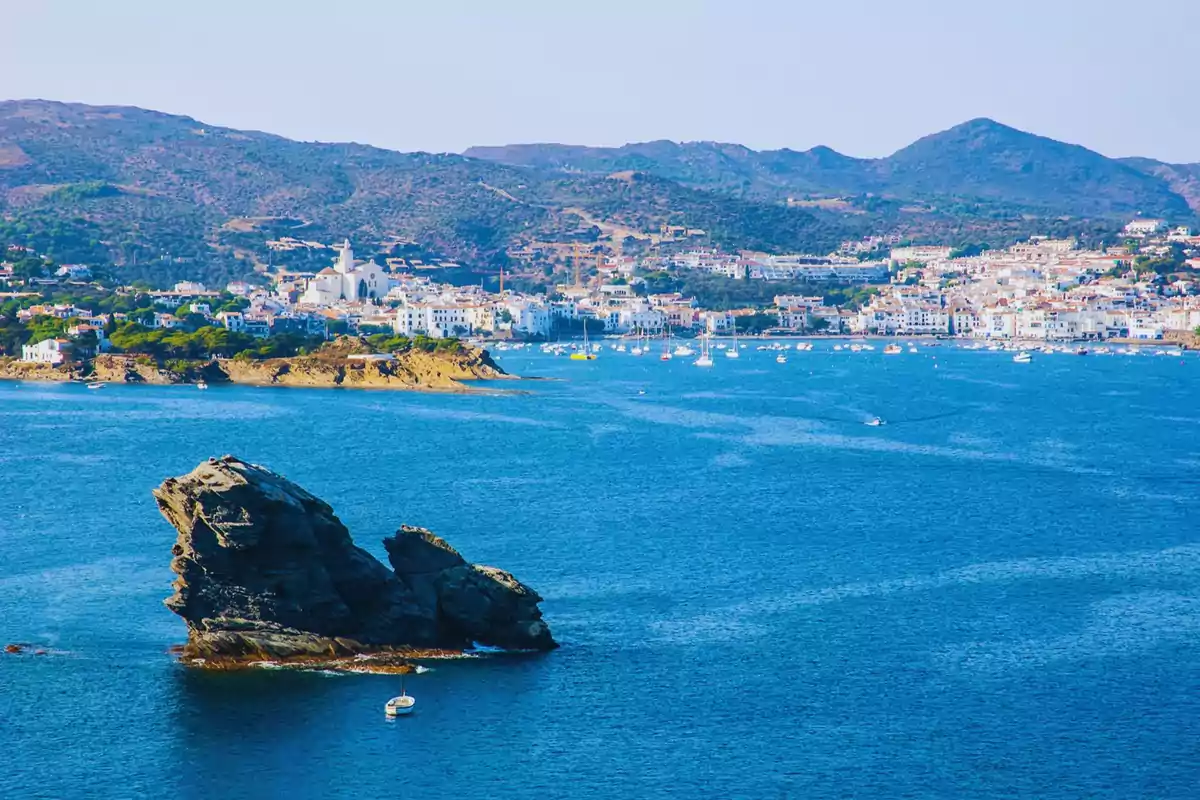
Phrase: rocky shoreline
(413, 370)
(267, 574)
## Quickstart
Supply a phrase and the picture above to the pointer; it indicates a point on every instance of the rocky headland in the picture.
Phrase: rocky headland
(347, 363)
(266, 572)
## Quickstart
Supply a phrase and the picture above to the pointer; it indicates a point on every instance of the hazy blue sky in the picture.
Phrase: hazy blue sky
(862, 76)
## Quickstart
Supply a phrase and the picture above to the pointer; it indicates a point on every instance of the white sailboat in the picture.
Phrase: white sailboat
(705, 359)
(732, 351)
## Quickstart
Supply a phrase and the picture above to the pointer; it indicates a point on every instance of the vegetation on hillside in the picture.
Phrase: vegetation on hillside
(163, 198)
(979, 160)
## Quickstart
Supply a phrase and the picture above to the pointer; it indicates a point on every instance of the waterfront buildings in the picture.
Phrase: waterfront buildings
(1042, 289)
(47, 351)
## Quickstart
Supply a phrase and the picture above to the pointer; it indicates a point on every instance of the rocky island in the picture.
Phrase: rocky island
(267, 572)
(347, 362)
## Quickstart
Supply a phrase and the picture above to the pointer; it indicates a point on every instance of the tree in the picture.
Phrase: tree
(42, 328)
(756, 323)
(968, 250)
(29, 267)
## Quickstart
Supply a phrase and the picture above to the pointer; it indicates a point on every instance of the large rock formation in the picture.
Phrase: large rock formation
(267, 571)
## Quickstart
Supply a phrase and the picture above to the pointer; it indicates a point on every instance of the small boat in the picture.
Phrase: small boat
(705, 359)
(400, 706)
(201, 385)
(666, 349)
(874, 422)
(586, 353)
(1082, 351)
(95, 385)
(1023, 358)
(892, 349)
(781, 359)
(732, 350)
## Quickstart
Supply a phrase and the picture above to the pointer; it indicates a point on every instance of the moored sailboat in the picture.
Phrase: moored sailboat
(586, 353)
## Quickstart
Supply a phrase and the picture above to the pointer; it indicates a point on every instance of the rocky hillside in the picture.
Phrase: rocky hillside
(334, 366)
(266, 571)
(168, 197)
(143, 185)
(980, 160)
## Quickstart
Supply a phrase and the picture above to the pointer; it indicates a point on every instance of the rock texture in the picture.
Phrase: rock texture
(413, 370)
(266, 570)
(12, 369)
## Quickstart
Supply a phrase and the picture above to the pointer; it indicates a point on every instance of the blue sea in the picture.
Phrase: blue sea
(996, 594)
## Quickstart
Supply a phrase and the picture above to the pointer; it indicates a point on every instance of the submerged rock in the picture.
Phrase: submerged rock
(266, 571)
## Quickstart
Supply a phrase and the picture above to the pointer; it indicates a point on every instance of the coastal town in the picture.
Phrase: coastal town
(1048, 290)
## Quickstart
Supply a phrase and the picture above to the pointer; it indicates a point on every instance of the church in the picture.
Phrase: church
(346, 281)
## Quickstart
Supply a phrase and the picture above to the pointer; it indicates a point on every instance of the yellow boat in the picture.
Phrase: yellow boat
(586, 353)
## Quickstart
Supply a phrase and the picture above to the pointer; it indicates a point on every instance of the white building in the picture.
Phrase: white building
(346, 281)
(77, 271)
(920, 254)
(717, 321)
(532, 319)
(232, 320)
(47, 351)
(816, 269)
(1145, 227)
(635, 318)
(793, 319)
(996, 323)
(434, 319)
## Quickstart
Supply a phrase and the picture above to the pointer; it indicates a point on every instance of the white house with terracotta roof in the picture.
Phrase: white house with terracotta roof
(47, 351)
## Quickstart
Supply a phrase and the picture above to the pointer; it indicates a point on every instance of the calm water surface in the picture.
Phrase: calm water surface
(995, 595)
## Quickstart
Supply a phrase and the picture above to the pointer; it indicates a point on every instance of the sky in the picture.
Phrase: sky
(865, 77)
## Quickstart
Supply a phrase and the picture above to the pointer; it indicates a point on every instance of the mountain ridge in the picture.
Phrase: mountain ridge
(166, 196)
(980, 159)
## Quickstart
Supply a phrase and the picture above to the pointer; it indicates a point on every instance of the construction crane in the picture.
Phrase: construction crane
(575, 259)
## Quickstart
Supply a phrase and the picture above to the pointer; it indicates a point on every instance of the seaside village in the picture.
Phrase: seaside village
(1044, 290)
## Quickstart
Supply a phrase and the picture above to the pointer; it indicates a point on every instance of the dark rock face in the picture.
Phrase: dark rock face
(476, 603)
(267, 570)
